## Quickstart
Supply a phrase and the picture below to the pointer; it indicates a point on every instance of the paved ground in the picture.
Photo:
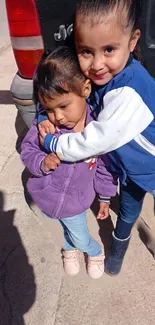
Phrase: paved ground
(33, 287)
(4, 34)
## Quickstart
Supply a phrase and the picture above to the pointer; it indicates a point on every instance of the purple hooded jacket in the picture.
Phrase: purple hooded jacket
(70, 189)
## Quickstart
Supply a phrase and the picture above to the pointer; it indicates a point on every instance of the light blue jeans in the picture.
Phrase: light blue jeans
(77, 235)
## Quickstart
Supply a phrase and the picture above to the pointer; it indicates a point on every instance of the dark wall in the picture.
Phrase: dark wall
(148, 34)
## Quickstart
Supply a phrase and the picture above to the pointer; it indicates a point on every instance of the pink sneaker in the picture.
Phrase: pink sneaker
(71, 262)
(95, 266)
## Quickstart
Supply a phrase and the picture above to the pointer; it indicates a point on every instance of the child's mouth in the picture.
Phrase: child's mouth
(100, 76)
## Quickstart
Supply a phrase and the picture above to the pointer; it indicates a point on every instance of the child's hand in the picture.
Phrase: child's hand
(42, 134)
(47, 126)
(51, 162)
(104, 211)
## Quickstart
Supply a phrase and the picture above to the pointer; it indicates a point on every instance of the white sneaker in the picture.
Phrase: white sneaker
(95, 266)
(71, 262)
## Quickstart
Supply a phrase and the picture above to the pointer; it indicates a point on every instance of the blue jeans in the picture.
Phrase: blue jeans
(131, 201)
(77, 235)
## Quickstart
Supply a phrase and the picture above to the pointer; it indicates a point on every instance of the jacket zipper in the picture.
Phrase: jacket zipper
(61, 201)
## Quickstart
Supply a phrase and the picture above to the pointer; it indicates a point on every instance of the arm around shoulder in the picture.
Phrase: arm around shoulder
(119, 122)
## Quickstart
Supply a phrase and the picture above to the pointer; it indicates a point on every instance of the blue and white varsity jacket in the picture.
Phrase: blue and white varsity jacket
(125, 128)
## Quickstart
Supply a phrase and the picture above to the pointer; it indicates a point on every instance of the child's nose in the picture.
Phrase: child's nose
(98, 63)
(58, 116)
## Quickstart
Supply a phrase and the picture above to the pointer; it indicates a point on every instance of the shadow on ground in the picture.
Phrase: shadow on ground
(24, 177)
(146, 235)
(21, 130)
(17, 280)
(106, 226)
(20, 126)
(6, 97)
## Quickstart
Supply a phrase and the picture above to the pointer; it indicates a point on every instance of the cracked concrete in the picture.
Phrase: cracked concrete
(33, 287)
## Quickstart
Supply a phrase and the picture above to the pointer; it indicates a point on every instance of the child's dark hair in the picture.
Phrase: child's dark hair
(86, 8)
(58, 73)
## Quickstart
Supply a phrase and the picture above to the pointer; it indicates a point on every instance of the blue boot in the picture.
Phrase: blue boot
(114, 261)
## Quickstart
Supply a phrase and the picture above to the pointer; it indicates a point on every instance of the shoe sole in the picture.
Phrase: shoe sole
(110, 273)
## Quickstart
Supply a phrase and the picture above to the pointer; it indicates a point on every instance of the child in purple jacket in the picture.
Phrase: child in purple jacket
(65, 191)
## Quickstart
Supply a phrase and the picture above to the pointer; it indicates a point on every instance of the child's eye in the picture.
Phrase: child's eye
(48, 110)
(109, 50)
(86, 52)
(63, 106)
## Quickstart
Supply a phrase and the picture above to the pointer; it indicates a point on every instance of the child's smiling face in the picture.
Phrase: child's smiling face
(103, 47)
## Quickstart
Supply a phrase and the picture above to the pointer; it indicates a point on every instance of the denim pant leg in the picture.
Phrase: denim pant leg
(68, 245)
(77, 235)
(131, 201)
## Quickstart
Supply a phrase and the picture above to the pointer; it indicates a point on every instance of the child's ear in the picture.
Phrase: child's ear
(87, 88)
(134, 39)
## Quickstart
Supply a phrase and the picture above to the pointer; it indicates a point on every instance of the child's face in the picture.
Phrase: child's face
(103, 48)
(66, 109)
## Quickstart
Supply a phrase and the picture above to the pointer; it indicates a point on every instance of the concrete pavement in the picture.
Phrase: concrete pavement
(33, 287)
(4, 34)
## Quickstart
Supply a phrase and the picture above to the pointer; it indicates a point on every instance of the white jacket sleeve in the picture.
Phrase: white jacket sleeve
(124, 116)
